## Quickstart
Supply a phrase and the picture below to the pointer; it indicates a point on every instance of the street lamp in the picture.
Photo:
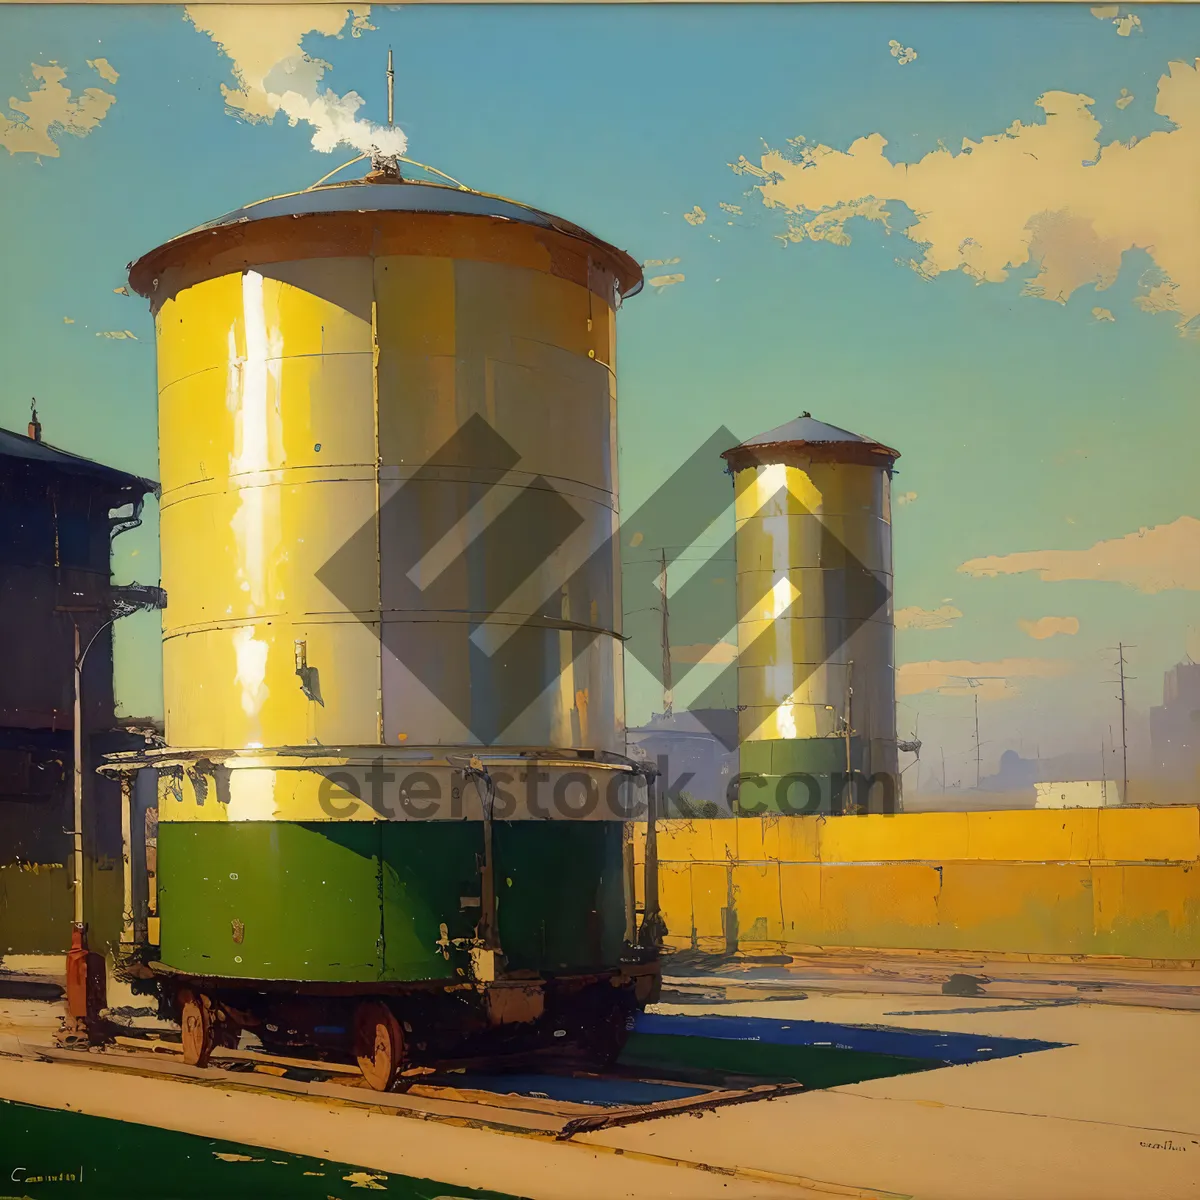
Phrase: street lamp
(85, 970)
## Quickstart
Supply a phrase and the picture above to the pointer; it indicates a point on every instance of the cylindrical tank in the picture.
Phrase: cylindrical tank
(388, 451)
(816, 678)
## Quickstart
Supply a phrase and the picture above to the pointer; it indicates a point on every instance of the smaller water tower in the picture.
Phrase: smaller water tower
(816, 675)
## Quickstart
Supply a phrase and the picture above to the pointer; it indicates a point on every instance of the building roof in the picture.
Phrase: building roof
(398, 196)
(807, 437)
(18, 446)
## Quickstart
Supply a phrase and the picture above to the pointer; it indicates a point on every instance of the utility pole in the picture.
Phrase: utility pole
(978, 748)
(668, 697)
(1124, 727)
(848, 802)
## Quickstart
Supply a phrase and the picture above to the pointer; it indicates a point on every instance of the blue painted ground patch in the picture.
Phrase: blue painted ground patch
(932, 1046)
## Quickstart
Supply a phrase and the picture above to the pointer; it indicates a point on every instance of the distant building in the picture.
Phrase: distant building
(1175, 725)
(691, 744)
(1078, 793)
(58, 515)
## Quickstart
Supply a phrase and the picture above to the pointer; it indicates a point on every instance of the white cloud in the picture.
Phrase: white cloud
(1127, 24)
(51, 111)
(1048, 627)
(997, 680)
(104, 69)
(1050, 195)
(1163, 558)
(696, 217)
(660, 262)
(906, 497)
(1105, 12)
(665, 281)
(1125, 99)
(902, 54)
(927, 618)
(733, 209)
(274, 73)
(118, 335)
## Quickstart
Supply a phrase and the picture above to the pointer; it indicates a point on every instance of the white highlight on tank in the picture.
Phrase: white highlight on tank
(253, 383)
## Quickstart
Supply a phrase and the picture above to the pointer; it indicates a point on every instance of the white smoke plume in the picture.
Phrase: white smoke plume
(275, 74)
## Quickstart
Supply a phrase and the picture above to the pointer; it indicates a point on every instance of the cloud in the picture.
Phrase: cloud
(696, 217)
(990, 680)
(664, 281)
(1047, 627)
(906, 497)
(118, 335)
(1105, 12)
(1125, 99)
(902, 54)
(927, 618)
(660, 262)
(274, 73)
(733, 209)
(51, 112)
(1049, 195)
(104, 69)
(1163, 558)
(702, 652)
(68, 320)
(1103, 314)
(1127, 24)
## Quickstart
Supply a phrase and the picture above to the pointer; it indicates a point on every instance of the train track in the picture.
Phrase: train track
(431, 1095)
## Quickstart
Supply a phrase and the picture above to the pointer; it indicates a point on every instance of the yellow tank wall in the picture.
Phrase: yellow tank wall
(292, 401)
(1122, 882)
(792, 672)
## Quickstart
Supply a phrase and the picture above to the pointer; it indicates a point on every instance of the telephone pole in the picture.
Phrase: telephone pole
(1124, 726)
(668, 697)
(978, 748)
(848, 802)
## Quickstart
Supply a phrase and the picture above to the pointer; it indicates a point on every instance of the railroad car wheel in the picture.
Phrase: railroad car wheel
(379, 1045)
(196, 1024)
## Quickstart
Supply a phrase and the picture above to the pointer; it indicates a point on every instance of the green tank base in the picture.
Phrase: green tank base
(395, 1030)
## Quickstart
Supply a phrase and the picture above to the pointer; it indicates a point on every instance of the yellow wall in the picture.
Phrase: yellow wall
(1120, 882)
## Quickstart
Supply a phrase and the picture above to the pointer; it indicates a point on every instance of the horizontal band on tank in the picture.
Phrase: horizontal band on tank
(367, 755)
(522, 481)
(206, 254)
(388, 787)
(398, 616)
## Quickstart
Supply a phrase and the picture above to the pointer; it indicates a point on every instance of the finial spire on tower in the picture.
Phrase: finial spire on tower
(383, 168)
(35, 426)
(391, 78)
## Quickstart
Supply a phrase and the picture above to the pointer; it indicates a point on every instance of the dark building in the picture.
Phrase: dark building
(692, 747)
(1175, 725)
(58, 515)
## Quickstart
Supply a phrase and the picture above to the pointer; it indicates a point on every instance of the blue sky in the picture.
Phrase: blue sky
(1024, 425)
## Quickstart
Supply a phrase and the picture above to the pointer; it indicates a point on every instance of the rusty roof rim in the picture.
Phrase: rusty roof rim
(757, 449)
(627, 266)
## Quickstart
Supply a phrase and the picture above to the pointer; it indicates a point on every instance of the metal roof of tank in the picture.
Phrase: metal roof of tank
(18, 446)
(806, 433)
(371, 194)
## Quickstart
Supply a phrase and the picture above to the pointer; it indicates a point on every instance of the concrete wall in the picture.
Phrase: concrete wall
(1117, 881)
